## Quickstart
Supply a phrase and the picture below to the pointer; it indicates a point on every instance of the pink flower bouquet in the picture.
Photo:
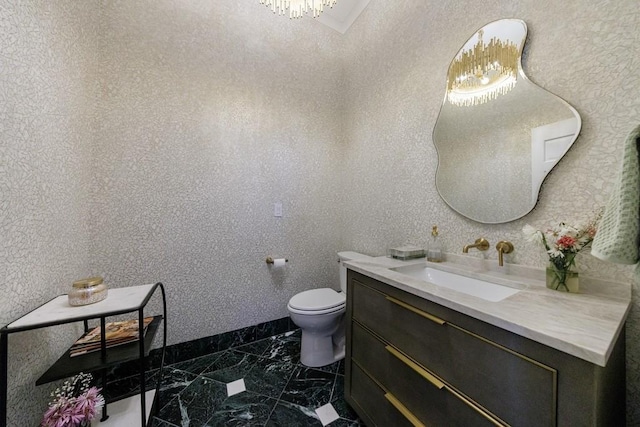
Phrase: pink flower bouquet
(74, 404)
(562, 243)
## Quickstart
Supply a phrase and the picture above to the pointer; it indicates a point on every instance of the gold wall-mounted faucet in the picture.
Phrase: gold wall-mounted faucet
(481, 244)
(503, 247)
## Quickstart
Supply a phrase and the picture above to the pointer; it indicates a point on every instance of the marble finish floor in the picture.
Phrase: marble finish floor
(279, 390)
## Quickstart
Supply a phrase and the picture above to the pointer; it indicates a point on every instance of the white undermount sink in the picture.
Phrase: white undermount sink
(478, 288)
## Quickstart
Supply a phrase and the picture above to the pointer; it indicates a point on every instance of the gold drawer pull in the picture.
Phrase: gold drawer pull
(410, 363)
(403, 410)
(476, 408)
(417, 311)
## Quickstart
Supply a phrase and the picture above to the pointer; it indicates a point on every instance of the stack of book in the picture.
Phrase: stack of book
(116, 333)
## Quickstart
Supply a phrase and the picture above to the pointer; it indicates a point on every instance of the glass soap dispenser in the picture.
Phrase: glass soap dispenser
(434, 250)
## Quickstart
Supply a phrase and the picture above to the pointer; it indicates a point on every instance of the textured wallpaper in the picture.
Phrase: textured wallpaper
(148, 141)
(210, 113)
(581, 51)
(47, 105)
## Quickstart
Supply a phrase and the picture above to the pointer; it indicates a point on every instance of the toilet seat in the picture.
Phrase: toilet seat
(317, 301)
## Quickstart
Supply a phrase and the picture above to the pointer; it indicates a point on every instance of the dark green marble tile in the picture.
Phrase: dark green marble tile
(338, 401)
(198, 365)
(274, 327)
(173, 382)
(243, 409)
(257, 348)
(189, 350)
(340, 422)
(236, 338)
(157, 422)
(284, 347)
(309, 388)
(332, 368)
(269, 377)
(338, 388)
(194, 393)
(287, 414)
(196, 404)
(230, 366)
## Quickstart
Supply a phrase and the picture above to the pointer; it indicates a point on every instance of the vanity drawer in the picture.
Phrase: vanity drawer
(420, 392)
(425, 339)
(518, 389)
(513, 379)
(515, 388)
(374, 401)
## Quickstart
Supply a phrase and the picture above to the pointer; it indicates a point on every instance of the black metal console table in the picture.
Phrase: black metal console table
(58, 312)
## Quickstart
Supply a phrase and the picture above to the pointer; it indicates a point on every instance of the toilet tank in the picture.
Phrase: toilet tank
(347, 256)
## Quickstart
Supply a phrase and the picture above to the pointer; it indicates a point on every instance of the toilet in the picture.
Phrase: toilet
(320, 315)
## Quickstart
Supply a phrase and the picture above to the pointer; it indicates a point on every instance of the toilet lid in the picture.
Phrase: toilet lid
(317, 299)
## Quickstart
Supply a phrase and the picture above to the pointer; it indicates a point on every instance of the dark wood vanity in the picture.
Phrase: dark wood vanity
(410, 361)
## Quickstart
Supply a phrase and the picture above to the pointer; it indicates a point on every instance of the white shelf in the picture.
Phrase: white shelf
(126, 412)
(59, 310)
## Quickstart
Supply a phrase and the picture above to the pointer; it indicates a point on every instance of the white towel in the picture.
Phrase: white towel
(618, 235)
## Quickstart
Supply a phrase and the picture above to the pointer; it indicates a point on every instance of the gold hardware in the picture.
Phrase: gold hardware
(503, 247)
(403, 410)
(508, 350)
(416, 310)
(419, 369)
(440, 385)
(481, 244)
(270, 260)
(475, 407)
(369, 374)
(88, 282)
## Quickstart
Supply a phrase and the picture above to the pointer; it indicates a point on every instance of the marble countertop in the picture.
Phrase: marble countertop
(585, 325)
(58, 310)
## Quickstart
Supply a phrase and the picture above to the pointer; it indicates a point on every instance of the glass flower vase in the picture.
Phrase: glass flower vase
(563, 279)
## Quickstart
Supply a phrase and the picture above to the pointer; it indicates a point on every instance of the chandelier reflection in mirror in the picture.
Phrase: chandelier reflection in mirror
(483, 72)
(298, 8)
(493, 157)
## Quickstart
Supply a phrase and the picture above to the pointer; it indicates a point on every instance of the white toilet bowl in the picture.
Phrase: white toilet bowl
(320, 315)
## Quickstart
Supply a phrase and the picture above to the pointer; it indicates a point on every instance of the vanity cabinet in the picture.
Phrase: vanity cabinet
(410, 361)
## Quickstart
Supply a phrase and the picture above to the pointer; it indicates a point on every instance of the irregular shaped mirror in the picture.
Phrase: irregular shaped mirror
(498, 134)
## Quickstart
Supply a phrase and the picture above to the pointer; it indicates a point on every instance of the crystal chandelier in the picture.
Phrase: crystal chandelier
(297, 8)
(483, 72)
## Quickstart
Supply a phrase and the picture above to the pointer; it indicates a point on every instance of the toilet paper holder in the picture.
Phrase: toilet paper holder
(271, 260)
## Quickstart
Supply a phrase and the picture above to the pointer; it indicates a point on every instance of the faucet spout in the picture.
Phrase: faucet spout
(481, 244)
(503, 247)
